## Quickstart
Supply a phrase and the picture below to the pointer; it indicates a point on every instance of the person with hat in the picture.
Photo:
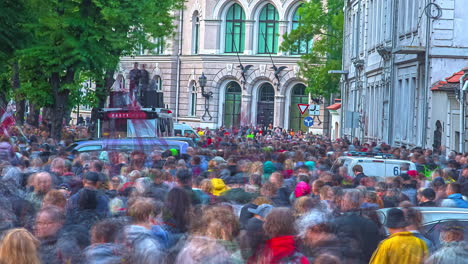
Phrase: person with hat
(401, 246)
(90, 189)
(454, 248)
(254, 234)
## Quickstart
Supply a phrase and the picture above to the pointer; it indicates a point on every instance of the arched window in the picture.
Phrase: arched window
(232, 105)
(195, 33)
(298, 96)
(268, 30)
(193, 100)
(235, 29)
(304, 45)
(266, 105)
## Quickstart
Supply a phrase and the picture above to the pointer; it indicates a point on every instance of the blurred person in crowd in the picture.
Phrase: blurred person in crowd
(42, 183)
(439, 186)
(89, 197)
(357, 231)
(184, 181)
(18, 246)
(49, 222)
(106, 246)
(281, 246)
(454, 248)
(414, 220)
(358, 172)
(55, 198)
(132, 177)
(254, 234)
(214, 239)
(401, 246)
(144, 246)
(426, 197)
(282, 195)
(158, 189)
(454, 197)
(177, 214)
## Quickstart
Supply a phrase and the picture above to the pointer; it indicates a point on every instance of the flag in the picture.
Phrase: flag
(7, 120)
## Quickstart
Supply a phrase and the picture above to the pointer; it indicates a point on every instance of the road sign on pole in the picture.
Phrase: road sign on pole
(314, 110)
(303, 108)
(309, 121)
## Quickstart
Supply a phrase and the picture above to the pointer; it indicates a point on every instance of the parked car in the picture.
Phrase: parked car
(433, 220)
(377, 166)
(189, 141)
(146, 145)
(183, 130)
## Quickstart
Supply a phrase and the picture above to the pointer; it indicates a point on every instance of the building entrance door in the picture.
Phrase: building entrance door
(266, 105)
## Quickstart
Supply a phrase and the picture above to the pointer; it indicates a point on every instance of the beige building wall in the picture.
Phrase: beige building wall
(180, 67)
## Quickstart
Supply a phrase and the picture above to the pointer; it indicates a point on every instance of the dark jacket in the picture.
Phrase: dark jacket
(281, 198)
(360, 233)
(358, 178)
(428, 204)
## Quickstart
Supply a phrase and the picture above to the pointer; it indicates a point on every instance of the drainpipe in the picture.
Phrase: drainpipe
(463, 88)
(391, 82)
(179, 53)
(426, 79)
(344, 84)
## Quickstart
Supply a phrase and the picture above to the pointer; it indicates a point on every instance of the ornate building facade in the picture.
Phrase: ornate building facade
(236, 45)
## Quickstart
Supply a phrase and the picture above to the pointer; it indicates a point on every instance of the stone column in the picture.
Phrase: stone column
(278, 119)
(246, 113)
(283, 28)
(249, 37)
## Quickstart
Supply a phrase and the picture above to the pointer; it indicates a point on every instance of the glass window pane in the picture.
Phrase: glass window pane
(235, 29)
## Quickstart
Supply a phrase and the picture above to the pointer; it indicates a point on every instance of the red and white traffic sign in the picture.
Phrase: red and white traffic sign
(303, 108)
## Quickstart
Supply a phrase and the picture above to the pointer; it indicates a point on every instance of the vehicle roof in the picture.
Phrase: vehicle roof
(434, 209)
(372, 158)
(128, 140)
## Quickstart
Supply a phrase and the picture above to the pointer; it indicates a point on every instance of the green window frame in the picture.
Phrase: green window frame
(268, 30)
(232, 105)
(196, 35)
(303, 45)
(235, 30)
(193, 101)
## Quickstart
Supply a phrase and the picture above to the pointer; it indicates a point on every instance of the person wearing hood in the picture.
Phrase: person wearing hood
(141, 240)
(218, 186)
(104, 248)
(279, 227)
(268, 169)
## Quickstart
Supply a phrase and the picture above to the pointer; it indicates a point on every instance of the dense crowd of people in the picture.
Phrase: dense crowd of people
(241, 196)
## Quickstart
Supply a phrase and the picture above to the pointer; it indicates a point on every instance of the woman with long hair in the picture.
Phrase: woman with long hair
(176, 215)
(19, 247)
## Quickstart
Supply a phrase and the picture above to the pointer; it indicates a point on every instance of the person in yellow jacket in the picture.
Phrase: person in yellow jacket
(401, 247)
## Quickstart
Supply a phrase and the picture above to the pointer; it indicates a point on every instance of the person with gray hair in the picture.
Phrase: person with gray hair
(359, 232)
(454, 248)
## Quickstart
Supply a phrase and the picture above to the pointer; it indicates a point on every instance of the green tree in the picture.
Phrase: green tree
(72, 38)
(323, 22)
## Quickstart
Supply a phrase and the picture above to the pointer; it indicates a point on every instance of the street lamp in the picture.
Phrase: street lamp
(207, 95)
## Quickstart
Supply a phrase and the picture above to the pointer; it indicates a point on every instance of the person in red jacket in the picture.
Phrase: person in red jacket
(281, 247)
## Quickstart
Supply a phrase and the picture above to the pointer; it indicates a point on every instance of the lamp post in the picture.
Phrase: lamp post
(207, 95)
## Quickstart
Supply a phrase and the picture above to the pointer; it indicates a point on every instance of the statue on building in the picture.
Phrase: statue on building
(154, 96)
(134, 77)
(144, 83)
(118, 94)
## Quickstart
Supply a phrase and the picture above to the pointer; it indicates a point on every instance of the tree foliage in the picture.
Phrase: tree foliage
(323, 22)
(68, 41)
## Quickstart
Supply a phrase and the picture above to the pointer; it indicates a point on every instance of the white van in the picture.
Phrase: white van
(182, 129)
(376, 166)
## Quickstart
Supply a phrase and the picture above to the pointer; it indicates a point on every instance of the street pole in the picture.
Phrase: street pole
(463, 88)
